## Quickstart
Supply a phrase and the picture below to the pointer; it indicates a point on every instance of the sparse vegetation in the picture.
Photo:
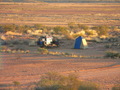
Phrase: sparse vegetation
(89, 86)
(68, 36)
(72, 26)
(62, 15)
(108, 46)
(15, 50)
(3, 47)
(102, 30)
(70, 32)
(83, 27)
(112, 54)
(116, 87)
(14, 28)
(16, 83)
(68, 54)
(55, 81)
(60, 30)
(42, 51)
(23, 23)
(91, 33)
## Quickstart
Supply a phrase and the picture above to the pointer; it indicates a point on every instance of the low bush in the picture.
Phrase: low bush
(3, 48)
(20, 47)
(69, 37)
(91, 32)
(55, 81)
(102, 30)
(108, 46)
(88, 86)
(16, 83)
(116, 87)
(112, 54)
(42, 51)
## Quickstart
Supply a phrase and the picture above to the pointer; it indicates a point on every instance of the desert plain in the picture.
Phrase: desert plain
(91, 66)
(60, 13)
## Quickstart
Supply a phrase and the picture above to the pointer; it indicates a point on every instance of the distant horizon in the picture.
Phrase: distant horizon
(64, 1)
(82, 1)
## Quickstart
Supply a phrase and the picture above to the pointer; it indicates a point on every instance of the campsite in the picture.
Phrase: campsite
(88, 63)
(88, 51)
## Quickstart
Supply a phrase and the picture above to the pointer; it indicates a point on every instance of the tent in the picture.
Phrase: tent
(80, 42)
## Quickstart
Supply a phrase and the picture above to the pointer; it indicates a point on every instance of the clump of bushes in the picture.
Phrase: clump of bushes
(101, 30)
(112, 54)
(88, 86)
(3, 48)
(116, 87)
(67, 31)
(16, 50)
(91, 32)
(69, 37)
(70, 55)
(16, 83)
(16, 86)
(42, 51)
(55, 81)
(108, 46)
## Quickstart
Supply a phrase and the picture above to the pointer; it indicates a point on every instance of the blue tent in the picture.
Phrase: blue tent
(80, 42)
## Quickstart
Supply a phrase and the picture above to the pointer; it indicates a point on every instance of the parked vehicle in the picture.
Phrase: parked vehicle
(47, 41)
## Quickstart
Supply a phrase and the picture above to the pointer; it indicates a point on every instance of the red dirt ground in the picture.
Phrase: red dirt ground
(28, 68)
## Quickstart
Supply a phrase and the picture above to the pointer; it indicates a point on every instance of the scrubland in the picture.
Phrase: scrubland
(26, 66)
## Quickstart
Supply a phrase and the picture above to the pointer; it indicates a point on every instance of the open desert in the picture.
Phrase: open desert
(60, 13)
(90, 64)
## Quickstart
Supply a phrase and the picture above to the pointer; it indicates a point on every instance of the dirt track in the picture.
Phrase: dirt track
(27, 69)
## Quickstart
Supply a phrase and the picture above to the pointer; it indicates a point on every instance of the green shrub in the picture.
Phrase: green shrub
(91, 32)
(50, 79)
(82, 26)
(112, 54)
(60, 30)
(108, 46)
(3, 48)
(67, 54)
(55, 81)
(72, 25)
(102, 29)
(38, 26)
(42, 51)
(16, 83)
(116, 87)
(9, 27)
(88, 86)
(19, 47)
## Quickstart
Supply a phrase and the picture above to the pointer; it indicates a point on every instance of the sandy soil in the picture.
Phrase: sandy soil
(53, 14)
(28, 68)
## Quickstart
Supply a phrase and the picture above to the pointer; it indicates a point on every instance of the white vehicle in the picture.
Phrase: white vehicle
(45, 41)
